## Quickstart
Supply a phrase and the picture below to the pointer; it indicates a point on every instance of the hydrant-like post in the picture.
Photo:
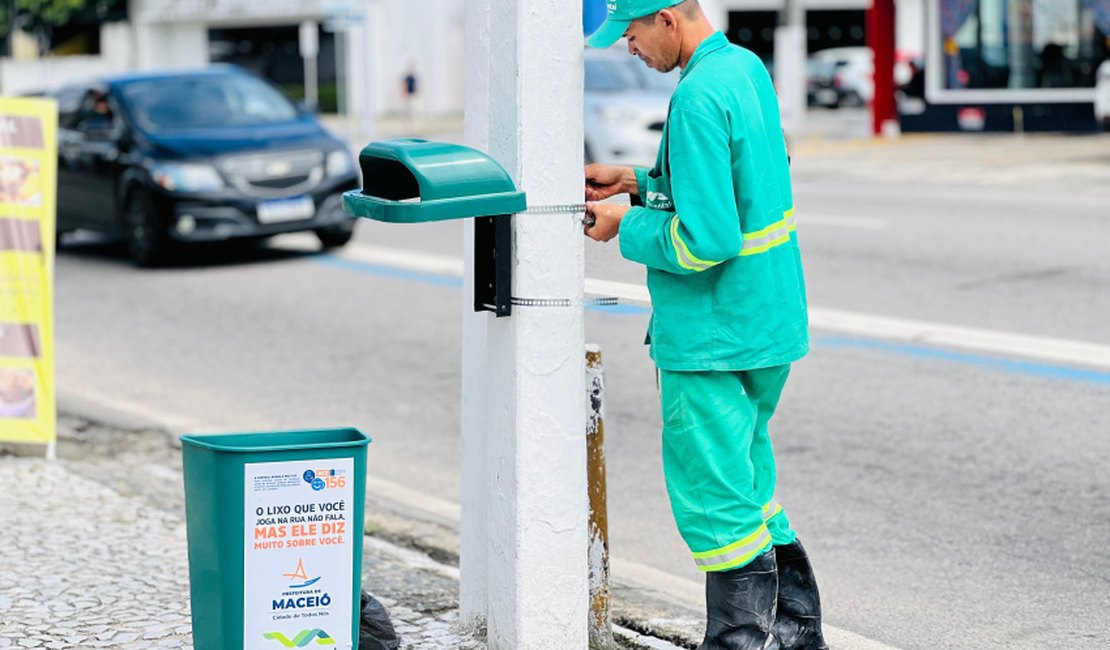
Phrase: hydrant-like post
(601, 627)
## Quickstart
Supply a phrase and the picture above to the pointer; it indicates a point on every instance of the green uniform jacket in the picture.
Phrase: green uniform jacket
(717, 227)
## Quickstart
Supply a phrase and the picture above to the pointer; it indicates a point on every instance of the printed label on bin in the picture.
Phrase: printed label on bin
(298, 564)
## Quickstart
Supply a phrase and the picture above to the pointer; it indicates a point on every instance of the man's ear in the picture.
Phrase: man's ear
(666, 18)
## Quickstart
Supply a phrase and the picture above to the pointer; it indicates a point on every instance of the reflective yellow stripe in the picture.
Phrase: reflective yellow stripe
(771, 509)
(734, 554)
(773, 235)
(755, 243)
(685, 258)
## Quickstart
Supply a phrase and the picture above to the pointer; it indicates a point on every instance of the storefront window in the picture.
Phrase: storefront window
(1022, 44)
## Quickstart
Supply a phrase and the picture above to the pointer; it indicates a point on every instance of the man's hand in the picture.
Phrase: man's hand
(606, 218)
(603, 181)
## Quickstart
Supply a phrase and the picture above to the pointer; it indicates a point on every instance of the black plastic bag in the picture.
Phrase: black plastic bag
(375, 630)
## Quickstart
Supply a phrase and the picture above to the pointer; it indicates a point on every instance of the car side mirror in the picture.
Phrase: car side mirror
(97, 127)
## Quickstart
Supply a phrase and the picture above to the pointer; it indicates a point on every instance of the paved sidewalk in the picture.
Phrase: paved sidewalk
(86, 567)
(94, 554)
(985, 160)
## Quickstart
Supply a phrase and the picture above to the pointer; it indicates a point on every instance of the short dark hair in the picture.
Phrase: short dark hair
(688, 8)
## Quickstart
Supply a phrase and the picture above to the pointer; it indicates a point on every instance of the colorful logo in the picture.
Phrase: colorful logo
(325, 478)
(300, 574)
(301, 640)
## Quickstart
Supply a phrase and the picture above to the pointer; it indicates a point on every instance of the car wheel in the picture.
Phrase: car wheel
(147, 240)
(852, 99)
(336, 236)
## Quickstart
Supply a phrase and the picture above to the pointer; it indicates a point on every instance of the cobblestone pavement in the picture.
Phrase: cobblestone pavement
(86, 567)
(94, 554)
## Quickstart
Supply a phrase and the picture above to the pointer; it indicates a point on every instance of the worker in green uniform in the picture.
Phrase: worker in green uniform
(716, 232)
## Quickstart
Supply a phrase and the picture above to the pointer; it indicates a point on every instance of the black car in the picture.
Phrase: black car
(210, 155)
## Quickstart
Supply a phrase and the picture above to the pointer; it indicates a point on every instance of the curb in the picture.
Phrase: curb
(143, 463)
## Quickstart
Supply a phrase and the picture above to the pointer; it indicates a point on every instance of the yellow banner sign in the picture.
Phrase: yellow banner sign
(28, 189)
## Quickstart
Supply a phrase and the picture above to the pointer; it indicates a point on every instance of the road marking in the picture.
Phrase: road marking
(403, 259)
(680, 591)
(965, 338)
(902, 330)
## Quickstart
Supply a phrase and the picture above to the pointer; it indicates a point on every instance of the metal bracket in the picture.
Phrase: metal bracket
(493, 255)
(493, 258)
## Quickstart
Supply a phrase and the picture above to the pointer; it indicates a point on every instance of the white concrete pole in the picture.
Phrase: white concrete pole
(790, 66)
(473, 599)
(536, 458)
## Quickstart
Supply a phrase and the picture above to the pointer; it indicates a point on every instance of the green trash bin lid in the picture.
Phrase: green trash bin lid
(410, 180)
(278, 440)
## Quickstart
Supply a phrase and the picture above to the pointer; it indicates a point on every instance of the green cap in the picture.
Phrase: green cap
(620, 14)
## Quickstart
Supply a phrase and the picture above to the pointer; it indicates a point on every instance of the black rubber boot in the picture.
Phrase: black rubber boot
(740, 606)
(798, 620)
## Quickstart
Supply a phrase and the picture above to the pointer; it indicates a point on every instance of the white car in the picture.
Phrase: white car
(1102, 95)
(625, 108)
(855, 73)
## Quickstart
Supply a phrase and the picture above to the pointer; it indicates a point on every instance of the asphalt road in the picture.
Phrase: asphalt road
(949, 498)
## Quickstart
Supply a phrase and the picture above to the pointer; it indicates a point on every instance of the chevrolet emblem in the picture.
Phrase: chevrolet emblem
(278, 168)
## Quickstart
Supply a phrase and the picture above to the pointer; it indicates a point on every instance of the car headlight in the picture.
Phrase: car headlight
(187, 177)
(339, 163)
(618, 114)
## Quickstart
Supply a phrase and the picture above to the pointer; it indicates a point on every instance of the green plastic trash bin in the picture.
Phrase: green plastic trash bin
(411, 180)
(275, 529)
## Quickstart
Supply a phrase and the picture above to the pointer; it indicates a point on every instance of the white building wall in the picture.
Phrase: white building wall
(45, 75)
(117, 47)
(427, 36)
(228, 13)
(36, 75)
(162, 46)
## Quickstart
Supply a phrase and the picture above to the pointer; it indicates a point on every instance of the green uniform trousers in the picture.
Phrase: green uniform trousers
(719, 465)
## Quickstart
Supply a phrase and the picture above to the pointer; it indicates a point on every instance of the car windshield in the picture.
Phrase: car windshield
(816, 68)
(612, 75)
(199, 102)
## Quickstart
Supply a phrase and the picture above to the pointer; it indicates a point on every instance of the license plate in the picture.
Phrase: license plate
(282, 210)
(826, 96)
